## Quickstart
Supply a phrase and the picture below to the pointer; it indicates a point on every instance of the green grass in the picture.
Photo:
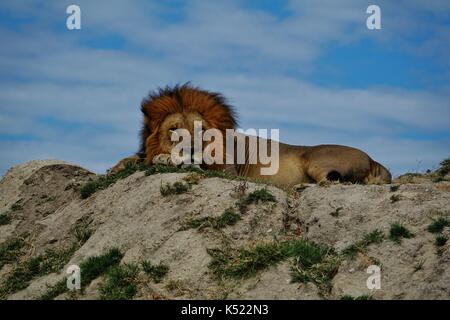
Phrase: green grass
(438, 225)
(395, 198)
(246, 262)
(91, 268)
(312, 262)
(394, 188)
(363, 297)
(120, 282)
(419, 265)
(228, 218)
(81, 230)
(399, 231)
(95, 266)
(52, 260)
(175, 188)
(260, 195)
(105, 181)
(336, 212)
(157, 273)
(440, 241)
(10, 250)
(53, 291)
(4, 219)
(16, 206)
(376, 236)
(155, 169)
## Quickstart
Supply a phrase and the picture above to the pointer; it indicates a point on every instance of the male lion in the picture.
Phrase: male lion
(174, 108)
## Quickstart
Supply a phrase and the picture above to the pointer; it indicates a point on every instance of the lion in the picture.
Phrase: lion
(178, 107)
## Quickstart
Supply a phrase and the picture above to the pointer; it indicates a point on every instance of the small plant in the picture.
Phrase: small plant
(395, 198)
(312, 262)
(120, 283)
(10, 250)
(53, 291)
(336, 212)
(440, 241)
(4, 219)
(260, 195)
(376, 236)
(105, 181)
(90, 269)
(193, 178)
(95, 266)
(48, 262)
(438, 225)
(157, 273)
(175, 188)
(241, 188)
(394, 188)
(419, 265)
(245, 262)
(228, 218)
(81, 230)
(17, 206)
(398, 231)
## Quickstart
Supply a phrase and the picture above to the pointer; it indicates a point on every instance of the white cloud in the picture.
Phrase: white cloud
(248, 55)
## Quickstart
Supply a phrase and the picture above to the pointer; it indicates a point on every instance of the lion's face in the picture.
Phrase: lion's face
(179, 108)
(173, 122)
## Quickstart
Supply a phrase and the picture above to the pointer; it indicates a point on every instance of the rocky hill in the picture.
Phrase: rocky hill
(167, 233)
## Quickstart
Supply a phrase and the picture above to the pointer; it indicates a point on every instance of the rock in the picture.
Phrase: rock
(133, 216)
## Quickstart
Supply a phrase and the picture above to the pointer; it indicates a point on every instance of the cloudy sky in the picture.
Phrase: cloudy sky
(310, 68)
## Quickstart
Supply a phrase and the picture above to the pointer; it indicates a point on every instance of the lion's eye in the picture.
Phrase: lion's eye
(173, 129)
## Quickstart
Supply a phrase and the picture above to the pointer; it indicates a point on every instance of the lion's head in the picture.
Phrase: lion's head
(174, 108)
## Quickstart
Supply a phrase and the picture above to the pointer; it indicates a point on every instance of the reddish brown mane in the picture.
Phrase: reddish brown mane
(210, 105)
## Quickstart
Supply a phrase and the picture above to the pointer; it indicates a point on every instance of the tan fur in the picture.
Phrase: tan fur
(179, 107)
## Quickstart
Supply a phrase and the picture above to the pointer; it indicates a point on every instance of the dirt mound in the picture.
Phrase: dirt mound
(156, 234)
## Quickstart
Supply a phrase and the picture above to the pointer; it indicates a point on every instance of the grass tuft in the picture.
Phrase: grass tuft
(105, 181)
(4, 219)
(399, 231)
(395, 198)
(120, 282)
(175, 188)
(438, 225)
(228, 218)
(313, 262)
(10, 250)
(52, 260)
(157, 273)
(394, 188)
(17, 206)
(90, 269)
(440, 241)
(260, 195)
(376, 236)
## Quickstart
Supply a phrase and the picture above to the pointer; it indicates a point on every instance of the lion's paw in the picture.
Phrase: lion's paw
(163, 159)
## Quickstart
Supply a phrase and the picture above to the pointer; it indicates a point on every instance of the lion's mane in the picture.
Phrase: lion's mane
(212, 106)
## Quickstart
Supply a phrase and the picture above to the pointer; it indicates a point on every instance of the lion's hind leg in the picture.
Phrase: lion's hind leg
(324, 174)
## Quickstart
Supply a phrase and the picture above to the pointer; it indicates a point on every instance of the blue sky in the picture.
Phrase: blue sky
(310, 68)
